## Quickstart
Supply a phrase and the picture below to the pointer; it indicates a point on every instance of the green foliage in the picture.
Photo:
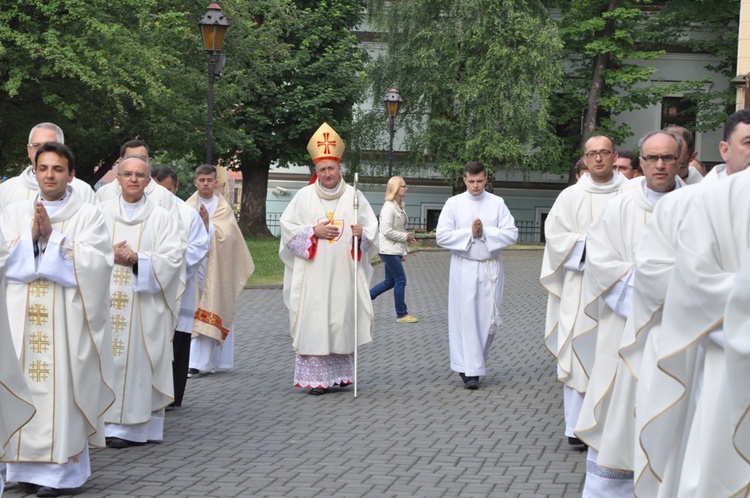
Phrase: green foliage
(185, 168)
(293, 66)
(618, 32)
(106, 72)
(476, 77)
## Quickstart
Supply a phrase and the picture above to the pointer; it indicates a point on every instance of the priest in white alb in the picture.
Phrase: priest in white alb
(565, 232)
(24, 187)
(198, 243)
(692, 344)
(475, 226)
(143, 292)
(317, 247)
(606, 422)
(660, 423)
(221, 277)
(58, 286)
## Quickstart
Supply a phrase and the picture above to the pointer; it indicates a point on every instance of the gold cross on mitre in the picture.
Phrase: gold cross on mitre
(39, 287)
(39, 342)
(121, 275)
(325, 144)
(119, 300)
(38, 314)
(39, 371)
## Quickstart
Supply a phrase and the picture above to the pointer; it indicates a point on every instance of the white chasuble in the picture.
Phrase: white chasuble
(16, 406)
(142, 310)
(475, 294)
(711, 247)
(228, 266)
(61, 328)
(575, 209)
(605, 423)
(319, 274)
(654, 261)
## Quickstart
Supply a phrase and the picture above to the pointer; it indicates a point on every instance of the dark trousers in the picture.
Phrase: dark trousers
(181, 349)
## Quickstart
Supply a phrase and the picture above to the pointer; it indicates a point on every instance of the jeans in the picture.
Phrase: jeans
(395, 279)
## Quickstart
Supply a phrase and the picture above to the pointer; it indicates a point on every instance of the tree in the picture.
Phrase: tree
(106, 72)
(476, 78)
(602, 40)
(293, 65)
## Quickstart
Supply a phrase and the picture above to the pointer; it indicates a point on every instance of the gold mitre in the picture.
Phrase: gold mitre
(325, 144)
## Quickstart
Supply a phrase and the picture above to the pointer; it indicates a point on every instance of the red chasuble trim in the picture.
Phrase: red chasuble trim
(212, 319)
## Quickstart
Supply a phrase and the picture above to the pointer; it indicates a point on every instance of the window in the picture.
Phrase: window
(678, 111)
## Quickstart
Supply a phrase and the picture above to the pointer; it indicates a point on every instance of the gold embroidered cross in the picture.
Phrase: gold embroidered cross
(39, 342)
(119, 300)
(38, 314)
(118, 346)
(39, 287)
(118, 323)
(121, 275)
(39, 371)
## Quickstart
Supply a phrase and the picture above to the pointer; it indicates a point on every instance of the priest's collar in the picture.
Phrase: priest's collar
(479, 197)
(330, 193)
(611, 181)
(130, 208)
(53, 206)
(653, 195)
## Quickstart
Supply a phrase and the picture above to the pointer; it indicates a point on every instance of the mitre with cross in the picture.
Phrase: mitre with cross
(325, 144)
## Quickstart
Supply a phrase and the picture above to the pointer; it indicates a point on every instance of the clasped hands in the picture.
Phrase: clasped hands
(41, 226)
(325, 230)
(124, 255)
(476, 228)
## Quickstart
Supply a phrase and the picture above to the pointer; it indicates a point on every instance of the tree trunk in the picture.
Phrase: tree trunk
(254, 191)
(601, 61)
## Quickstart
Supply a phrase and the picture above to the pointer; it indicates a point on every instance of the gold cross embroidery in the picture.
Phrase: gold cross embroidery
(118, 323)
(39, 287)
(121, 276)
(118, 346)
(38, 314)
(326, 143)
(39, 371)
(39, 342)
(119, 300)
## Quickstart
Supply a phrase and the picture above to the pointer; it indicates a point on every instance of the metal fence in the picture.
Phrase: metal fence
(528, 231)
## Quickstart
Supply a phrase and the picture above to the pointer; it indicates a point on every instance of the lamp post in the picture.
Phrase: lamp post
(392, 103)
(213, 27)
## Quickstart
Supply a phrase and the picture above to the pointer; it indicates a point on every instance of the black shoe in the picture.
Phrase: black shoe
(193, 372)
(463, 376)
(317, 391)
(117, 443)
(28, 487)
(47, 491)
(471, 383)
(574, 441)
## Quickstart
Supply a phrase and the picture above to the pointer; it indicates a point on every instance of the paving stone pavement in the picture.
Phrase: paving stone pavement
(412, 431)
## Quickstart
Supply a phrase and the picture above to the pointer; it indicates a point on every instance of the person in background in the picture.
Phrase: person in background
(393, 239)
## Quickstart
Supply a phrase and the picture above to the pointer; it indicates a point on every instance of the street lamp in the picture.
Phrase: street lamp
(213, 27)
(392, 103)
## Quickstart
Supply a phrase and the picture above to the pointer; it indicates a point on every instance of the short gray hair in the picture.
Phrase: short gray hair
(49, 126)
(143, 159)
(660, 132)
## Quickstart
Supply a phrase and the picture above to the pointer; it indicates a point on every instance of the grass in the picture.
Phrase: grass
(268, 267)
(270, 270)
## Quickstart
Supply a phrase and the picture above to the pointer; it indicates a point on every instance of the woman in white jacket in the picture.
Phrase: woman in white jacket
(393, 239)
